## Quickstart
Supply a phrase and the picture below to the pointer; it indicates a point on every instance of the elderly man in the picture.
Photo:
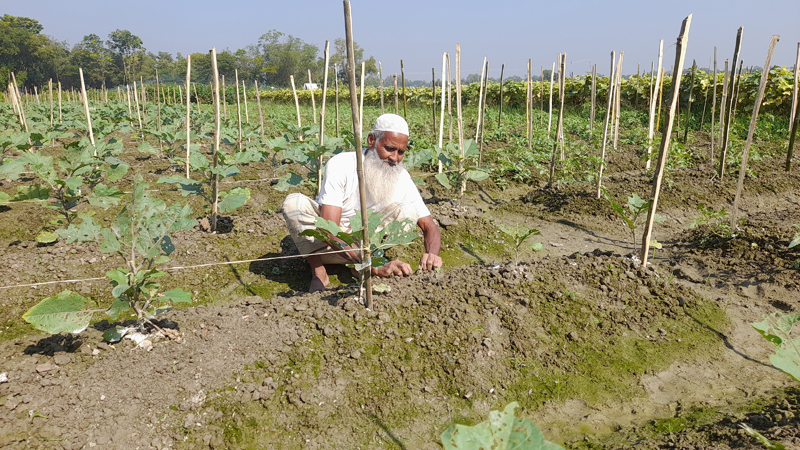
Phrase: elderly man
(390, 191)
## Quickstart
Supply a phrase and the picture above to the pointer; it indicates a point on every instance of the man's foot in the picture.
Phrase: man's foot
(317, 285)
(319, 276)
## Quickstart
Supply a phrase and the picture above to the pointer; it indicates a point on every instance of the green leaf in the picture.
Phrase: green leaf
(34, 192)
(110, 243)
(117, 307)
(177, 296)
(501, 432)
(796, 241)
(237, 197)
(145, 147)
(536, 246)
(62, 313)
(115, 334)
(4, 198)
(46, 237)
(116, 170)
(777, 329)
(288, 181)
(476, 175)
(120, 289)
(11, 168)
(118, 276)
(85, 231)
(442, 178)
(104, 196)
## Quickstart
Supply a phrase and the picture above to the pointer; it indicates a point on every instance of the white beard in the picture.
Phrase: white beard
(381, 180)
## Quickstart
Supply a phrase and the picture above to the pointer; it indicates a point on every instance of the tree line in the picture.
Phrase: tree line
(122, 58)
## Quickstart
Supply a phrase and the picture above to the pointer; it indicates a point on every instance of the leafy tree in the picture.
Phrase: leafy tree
(285, 55)
(22, 50)
(339, 57)
(24, 23)
(94, 58)
(125, 44)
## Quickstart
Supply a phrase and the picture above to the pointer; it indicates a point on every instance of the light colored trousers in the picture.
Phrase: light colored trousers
(300, 214)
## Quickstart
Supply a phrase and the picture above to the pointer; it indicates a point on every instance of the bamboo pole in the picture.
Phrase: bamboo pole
(215, 148)
(594, 100)
(336, 72)
(396, 93)
(680, 55)
(689, 106)
(751, 131)
(459, 117)
(296, 102)
(660, 100)
(562, 85)
(618, 100)
(130, 109)
(736, 91)
(50, 91)
(246, 111)
(441, 115)
(23, 119)
(403, 78)
(449, 100)
(188, 111)
(528, 105)
(260, 114)
(705, 104)
(793, 115)
(480, 103)
(224, 98)
(158, 108)
(550, 118)
(433, 98)
(322, 112)
(313, 101)
(351, 74)
(724, 99)
(36, 95)
(60, 117)
(483, 112)
(196, 97)
(729, 106)
(238, 108)
(500, 114)
(138, 114)
(86, 110)
(714, 104)
(380, 75)
(609, 106)
(361, 104)
(653, 102)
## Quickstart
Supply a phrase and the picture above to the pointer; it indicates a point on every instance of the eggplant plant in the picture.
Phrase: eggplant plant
(636, 206)
(140, 236)
(298, 146)
(457, 169)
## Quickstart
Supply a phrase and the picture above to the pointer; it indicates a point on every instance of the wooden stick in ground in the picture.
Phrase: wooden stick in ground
(562, 87)
(36, 95)
(380, 75)
(541, 97)
(793, 115)
(660, 100)
(689, 106)
(550, 118)
(736, 90)
(729, 106)
(528, 105)
(441, 115)
(680, 55)
(215, 148)
(313, 101)
(653, 102)
(158, 108)
(756, 106)
(483, 112)
(50, 91)
(196, 97)
(224, 98)
(449, 100)
(130, 109)
(351, 75)
(618, 100)
(396, 93)
(238, 108)
(403, 79)
(86, 110)
(23, 119)
(723, 100)
(594, 100)
(705, 104)
(320, 161)
(296, 101)
(459, 116)
(433, 98)
(138, 114)
(60, 117)
(714, 104)
(246, 112)
(188, 111)
(361, 97)
(500, 114)
(260, 114)
(336, 72)
(609, 105)
(480, 101)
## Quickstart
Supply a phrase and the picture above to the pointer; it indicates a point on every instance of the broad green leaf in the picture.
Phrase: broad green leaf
(11, 168)
(46, 237)
(62, 313)
(443, 180)
(120, 289)
(416, 158)
(115, 334)
(118, 276)
(4, 198)
(777, 329)
(501, 432)
(110, 242)
(34, 192)
(536, 246)
(796, 241)
(145, 147)
(116, 169)
(177, 296)
(105, 196)
(477, 175)
(381, 288)
(237, 197)
(85, 231)
(117, 307)
(288, 181)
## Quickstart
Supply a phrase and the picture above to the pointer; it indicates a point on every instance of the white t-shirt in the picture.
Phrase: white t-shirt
(340, 188)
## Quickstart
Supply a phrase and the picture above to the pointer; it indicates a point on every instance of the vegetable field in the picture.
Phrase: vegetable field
(177, 306)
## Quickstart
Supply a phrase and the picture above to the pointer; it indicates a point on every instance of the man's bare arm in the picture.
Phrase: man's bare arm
(433, 244)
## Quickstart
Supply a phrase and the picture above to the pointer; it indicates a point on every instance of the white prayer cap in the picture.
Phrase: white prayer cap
(391, 122)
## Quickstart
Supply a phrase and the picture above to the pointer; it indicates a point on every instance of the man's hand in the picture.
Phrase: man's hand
(429, 261)
(393, 268)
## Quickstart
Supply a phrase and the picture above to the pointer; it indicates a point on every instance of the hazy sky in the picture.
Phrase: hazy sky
(506, 32)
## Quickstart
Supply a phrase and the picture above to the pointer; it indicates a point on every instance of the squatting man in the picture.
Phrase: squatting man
(390, 191)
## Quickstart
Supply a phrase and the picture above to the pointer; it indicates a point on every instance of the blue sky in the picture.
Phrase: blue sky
(506, 32)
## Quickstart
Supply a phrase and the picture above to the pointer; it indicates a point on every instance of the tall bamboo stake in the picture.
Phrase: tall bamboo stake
(736, 90)
(441, 115)
(260, 114)
(528, 105)
(561, 88)
(449, 100)
(653, 102)
(680, 54)
(130, 109)
(217, 130)
(50, 90)
(660, 100)
(403, 78)
(296, 102)
(618, 100)
(188, 111)
(23, 119)
(500, 114)
(322, 112)
(433, 98)
(483, 112)
(729, 106)
(351, 74)
(361, 105)
(313, 101)
(705, 104)
(396, 93)
(224, 98)
(246, 112)
(714, 104)
(60, 117)
(336, 71)
(594, 100)
(238, 108)
(480, 101)
(609, 106)
(196, 97)
(746, 152)
(459, 116)
(380, 75)
(86, 109)
(723, 100)
(550, 118)
(689, 106)
(793, 115)
(138, 114)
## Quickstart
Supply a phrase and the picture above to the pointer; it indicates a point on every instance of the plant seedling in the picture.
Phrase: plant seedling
(457, 170)
(141, 237)
(715, 221)
(519, 233)
(636, 206)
